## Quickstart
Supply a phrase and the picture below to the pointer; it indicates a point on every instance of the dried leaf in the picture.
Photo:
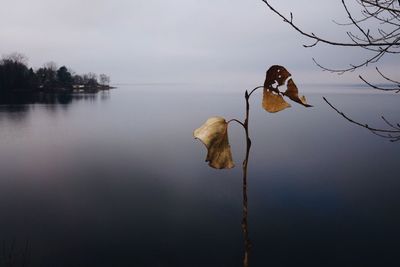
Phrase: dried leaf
(276, 74)
(293, 93)
(214, 135)
(273, 102)
(272, 99)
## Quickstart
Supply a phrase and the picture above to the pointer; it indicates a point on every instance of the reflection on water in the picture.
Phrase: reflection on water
(15, 100)
(15, 107)
(121, 182)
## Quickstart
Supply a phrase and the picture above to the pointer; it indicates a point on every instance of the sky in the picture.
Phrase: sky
(177, 41)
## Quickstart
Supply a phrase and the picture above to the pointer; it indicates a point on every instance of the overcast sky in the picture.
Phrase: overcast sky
(139, 41)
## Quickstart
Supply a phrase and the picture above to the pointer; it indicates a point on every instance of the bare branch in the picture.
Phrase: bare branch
(386, 78)
(376, 4)
(323, 40)
(392, 134)
(381, 41)
(355, 23)
(353, 67)
(396, 90)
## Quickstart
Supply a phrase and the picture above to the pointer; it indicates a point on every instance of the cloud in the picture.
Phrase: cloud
(176, 40)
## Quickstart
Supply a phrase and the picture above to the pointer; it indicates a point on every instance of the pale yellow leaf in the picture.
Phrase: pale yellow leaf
(214, 135)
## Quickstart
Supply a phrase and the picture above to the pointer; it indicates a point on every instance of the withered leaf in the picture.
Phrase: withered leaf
(214, 135)
(272, 99)
(276, 74)
(293, 93)
(273, 102)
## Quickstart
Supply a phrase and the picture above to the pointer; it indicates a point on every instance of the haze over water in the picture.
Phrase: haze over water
(117, 180)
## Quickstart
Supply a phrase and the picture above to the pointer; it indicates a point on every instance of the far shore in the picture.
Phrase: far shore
(63, 90)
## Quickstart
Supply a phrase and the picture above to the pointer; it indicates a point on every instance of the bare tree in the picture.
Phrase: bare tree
(51, 65)
(104, 79)
(92, 76)
(375, 28)
(16, 57)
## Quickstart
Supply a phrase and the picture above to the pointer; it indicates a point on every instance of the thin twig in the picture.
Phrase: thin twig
(320, 39)
(386, 133)
(252, 91)
(396, 90)
(380, 41)
(238, 121)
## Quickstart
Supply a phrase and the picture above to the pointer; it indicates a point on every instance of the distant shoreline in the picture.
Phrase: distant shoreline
(17, 78)
(61, 90)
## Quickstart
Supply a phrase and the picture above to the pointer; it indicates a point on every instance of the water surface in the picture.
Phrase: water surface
(117, 180)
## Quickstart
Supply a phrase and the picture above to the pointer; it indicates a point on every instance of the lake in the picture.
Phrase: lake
(116, 179)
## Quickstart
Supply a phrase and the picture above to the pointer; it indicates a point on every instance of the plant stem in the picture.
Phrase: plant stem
(245, 227)
(255, 89)
(235, 120)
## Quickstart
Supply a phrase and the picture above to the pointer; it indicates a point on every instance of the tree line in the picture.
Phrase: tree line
(16, 76)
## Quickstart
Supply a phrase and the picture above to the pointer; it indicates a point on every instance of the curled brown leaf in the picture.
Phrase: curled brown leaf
(293, 93)
(273, 100)
(276, 74)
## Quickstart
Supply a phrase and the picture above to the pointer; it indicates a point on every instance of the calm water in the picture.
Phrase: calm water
(116, 179)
